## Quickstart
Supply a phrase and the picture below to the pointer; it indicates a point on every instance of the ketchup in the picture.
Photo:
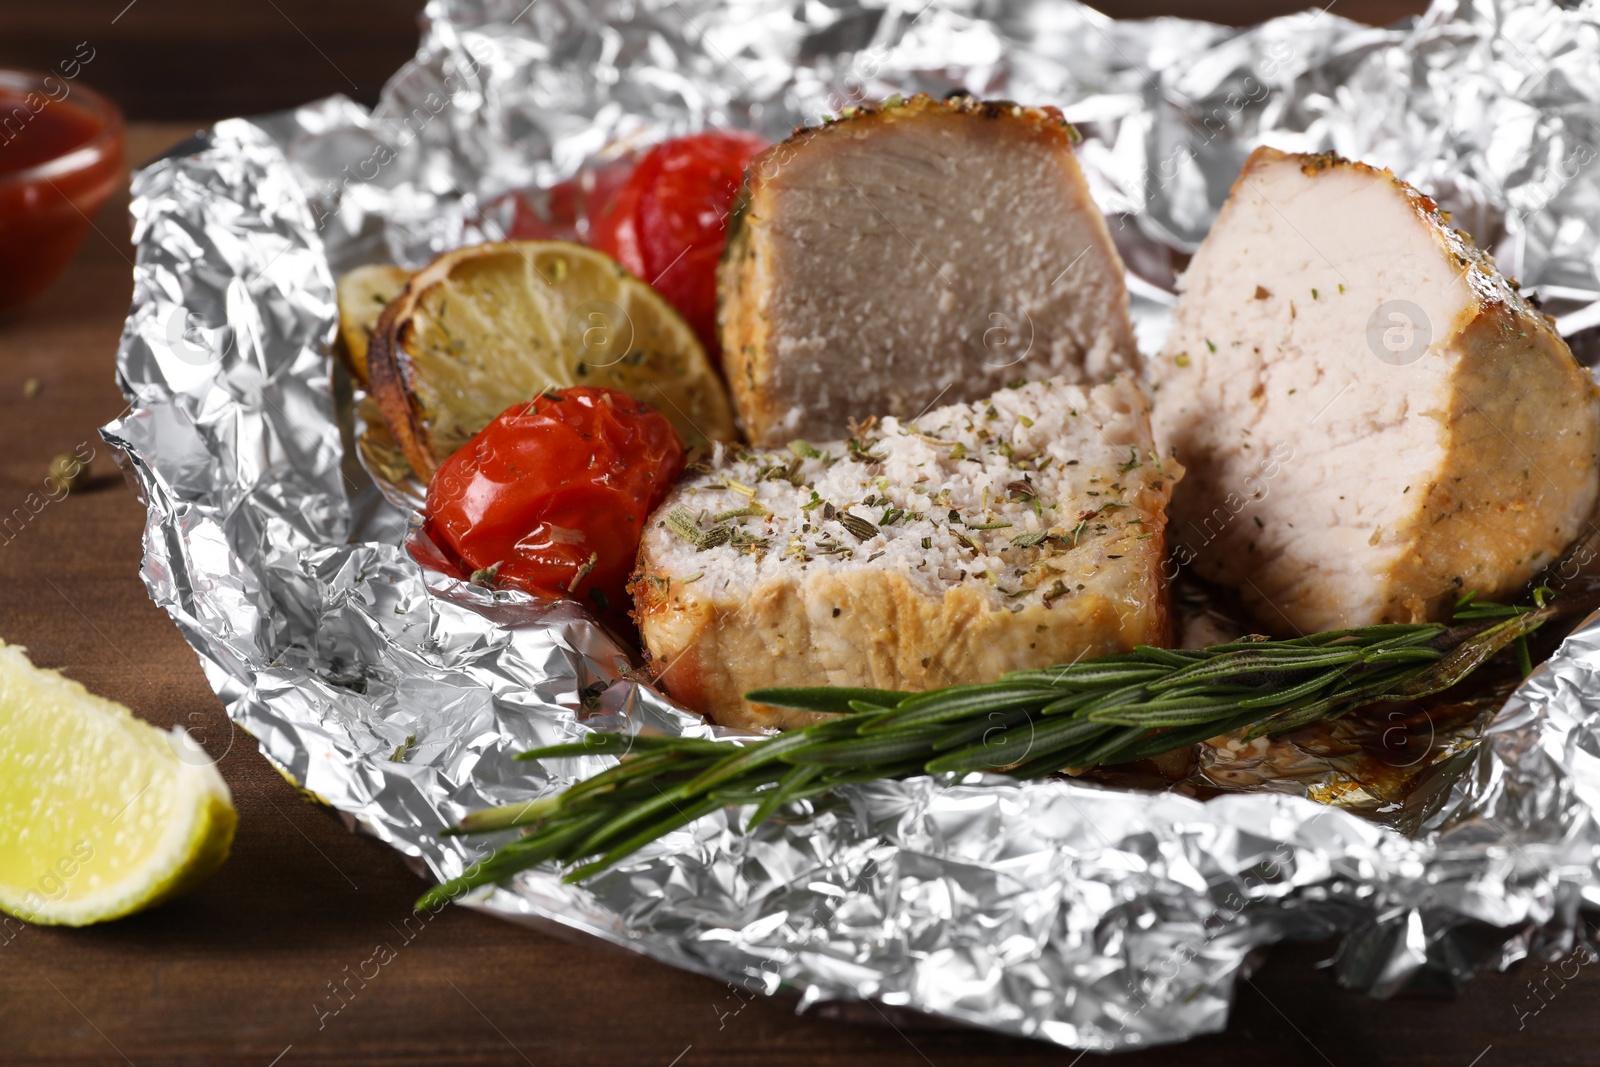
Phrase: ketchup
(60, 159)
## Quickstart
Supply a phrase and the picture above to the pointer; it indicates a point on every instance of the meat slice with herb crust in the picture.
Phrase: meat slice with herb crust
(1374, 421)
(917, 253)
(1022, 530)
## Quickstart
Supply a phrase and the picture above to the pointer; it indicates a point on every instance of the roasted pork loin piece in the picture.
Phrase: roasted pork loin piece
(920, 253)
(1020, 531)
(1373, 420)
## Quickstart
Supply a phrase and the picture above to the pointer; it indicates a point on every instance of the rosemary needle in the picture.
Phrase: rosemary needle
(1027, 724)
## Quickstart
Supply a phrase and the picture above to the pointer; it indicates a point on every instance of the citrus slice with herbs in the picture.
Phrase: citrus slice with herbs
(488, 326)
(101, 814)
(362, 296)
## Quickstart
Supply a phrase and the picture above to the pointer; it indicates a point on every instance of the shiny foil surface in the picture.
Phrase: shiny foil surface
(1066, 911)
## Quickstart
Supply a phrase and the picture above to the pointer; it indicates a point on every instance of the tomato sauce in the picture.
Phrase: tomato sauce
(60, 159)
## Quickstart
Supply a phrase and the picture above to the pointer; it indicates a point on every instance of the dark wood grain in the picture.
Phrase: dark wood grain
(194, 59)
(242, 970)
(198, 59)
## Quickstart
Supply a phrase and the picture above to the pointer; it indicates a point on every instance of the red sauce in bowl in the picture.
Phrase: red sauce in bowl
(61, 157)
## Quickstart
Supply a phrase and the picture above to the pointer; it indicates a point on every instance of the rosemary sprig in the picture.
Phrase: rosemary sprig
(1028, 724)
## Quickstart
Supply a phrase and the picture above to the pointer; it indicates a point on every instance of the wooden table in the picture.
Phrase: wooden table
(242, 970)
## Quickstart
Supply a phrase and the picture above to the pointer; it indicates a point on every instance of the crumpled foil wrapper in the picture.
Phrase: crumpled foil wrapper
(1061, 910)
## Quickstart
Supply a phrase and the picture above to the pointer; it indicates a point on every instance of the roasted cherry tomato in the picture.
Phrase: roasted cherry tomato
(552, 496)
(566, 211)
(669, 221)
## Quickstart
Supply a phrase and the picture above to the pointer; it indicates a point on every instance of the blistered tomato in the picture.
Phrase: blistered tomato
(668, 222)
(552, 496)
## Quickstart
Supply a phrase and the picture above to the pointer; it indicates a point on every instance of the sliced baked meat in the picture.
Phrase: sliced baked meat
(1373, 420)
(1020, 531)
(913, 254)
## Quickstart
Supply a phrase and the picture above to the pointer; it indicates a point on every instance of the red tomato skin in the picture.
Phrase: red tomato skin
(566, 211)
(668, 223)
(548, 485)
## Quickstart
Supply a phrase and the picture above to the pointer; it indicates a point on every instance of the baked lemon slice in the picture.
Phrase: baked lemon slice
(101, 815)
(362, 296)
(488, 326)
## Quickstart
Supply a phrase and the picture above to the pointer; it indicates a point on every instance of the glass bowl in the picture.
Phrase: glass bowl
(61, 156)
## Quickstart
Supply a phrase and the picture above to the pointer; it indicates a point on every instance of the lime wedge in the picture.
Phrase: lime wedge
(363, 294)
(101, 815)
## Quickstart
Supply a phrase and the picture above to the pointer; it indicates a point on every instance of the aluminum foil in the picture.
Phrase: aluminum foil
(1067, 911)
